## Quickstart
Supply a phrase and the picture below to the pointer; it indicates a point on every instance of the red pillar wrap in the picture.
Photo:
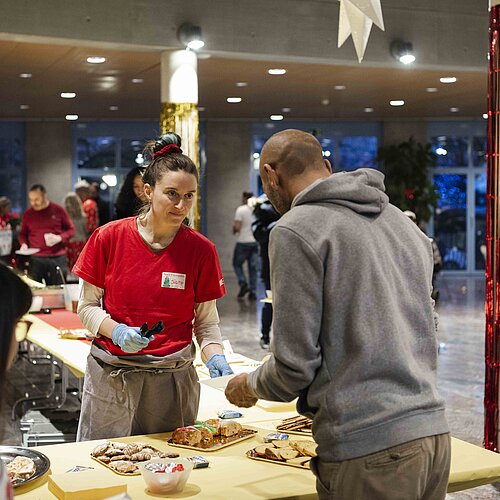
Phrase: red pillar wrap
(492, 305)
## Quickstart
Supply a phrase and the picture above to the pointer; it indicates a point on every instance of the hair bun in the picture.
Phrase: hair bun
(165, 139)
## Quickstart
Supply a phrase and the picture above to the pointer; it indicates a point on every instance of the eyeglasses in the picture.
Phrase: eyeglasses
(22, 328)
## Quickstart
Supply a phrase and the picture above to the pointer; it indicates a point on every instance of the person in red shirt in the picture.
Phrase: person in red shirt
(47, 227)
(146, 269)
(82, 189)
(15, 301)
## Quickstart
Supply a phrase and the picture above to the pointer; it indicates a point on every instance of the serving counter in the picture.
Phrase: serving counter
(231, 474)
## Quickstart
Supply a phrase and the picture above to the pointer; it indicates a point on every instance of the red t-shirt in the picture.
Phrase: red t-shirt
(90, 210)
(53, 219)
(141, 286)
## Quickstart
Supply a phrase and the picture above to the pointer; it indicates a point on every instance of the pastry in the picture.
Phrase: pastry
(189, 436)
(21, 468)
(123, 466)
(229, 428)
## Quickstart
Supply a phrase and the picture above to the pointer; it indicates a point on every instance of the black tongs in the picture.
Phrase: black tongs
(148, 332)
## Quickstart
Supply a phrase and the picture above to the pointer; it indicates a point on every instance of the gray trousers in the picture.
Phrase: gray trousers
(417, 470)
(126, 401)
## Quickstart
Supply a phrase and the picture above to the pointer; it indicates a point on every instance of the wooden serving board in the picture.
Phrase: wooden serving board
(252, 455)
(305, 432)
(244, 434)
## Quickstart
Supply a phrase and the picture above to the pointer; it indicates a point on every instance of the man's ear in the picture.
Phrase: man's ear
(272, 176)
(328, 166)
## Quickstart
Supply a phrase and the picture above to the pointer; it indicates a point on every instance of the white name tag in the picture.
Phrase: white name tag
(173, 280)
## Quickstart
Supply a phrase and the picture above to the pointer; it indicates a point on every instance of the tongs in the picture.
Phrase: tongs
(148, 332)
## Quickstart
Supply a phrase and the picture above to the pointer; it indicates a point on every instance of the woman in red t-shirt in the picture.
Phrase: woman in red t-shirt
(147, 269)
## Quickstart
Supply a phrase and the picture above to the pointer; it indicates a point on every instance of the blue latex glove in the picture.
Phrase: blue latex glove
(128, 338)
(218, 366)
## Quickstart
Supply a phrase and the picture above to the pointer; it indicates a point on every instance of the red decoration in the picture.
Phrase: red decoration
(410, 193)
(167, 150)
(492, 305)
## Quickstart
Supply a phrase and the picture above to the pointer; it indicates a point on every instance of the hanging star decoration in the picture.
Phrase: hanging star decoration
(356, 18)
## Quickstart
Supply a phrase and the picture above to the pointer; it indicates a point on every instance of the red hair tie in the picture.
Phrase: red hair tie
(167, 150)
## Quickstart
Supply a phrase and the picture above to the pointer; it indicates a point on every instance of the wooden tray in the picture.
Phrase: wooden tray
(305, 432)
(244, 434)
(136, 472)
(251, 454)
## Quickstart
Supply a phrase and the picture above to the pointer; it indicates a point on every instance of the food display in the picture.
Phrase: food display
(20, 469)
(296, 453)
(75, 333)
(23, 465)
(296, 425)
(210, 435)
(166, 476)
(123, 458)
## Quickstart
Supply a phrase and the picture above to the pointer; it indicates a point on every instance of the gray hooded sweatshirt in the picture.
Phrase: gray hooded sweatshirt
(354, 335)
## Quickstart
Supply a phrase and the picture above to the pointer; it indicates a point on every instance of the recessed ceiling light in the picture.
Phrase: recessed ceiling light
(25, 75)
(256, 156)
(276, 71)
(233, 99)
(286, 110)
(24, 106)
(68, 95)
(96, 59)
(325, 102)
(137, 80)
(431, 89)
(454, 110)
(276, 118)
(71, 117)
(339, 87)
(485, 116)
(397, 102)
(113, 108)
(368, 110)
(201, 108)
(448, 79)
(242, 84)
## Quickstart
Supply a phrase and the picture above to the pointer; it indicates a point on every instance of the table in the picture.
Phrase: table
(231, 474)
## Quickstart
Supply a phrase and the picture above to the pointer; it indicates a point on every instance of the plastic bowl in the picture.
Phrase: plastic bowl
(168, 475)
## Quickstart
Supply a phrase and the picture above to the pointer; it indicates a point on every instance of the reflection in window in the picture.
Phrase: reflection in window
(11, 153)
(357, 152)
(450, 221)
(479, 151)
(95, 152)
(480, 216)
(131, 155)
(450, 151)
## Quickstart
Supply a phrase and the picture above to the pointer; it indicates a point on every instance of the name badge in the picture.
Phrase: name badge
(173, 280)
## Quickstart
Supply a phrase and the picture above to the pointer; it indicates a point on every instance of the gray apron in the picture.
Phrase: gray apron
(140, 394)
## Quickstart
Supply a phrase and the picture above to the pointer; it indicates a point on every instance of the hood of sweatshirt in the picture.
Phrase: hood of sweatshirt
(361, 190)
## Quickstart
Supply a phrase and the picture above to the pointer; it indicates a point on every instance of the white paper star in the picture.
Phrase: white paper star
(356, 18)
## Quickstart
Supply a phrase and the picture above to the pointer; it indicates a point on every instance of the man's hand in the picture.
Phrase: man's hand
(238, 393)
(52, 239)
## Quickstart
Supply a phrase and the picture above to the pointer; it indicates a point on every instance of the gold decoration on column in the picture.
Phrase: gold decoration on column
(182, 118)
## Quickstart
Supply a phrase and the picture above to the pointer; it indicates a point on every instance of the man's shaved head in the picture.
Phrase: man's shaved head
(289, 162)
(294, 150)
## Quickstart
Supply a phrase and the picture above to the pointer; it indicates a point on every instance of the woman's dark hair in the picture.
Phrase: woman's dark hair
(15, 301)
(169, 161)
(127, 204)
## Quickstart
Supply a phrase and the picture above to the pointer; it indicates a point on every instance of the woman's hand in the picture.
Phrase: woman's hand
(128, 338)
(218, 366)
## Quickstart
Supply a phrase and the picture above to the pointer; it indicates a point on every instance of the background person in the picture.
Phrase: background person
(131, 196)
(47, 226)
(102, 206)
(15, 301)
(74, 246)
(9, 222)
(354, 334)
(89, 205)
(246, 249)
(264, 218)
(146, 269)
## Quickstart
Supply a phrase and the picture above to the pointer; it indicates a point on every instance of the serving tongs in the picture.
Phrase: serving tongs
(148, 332)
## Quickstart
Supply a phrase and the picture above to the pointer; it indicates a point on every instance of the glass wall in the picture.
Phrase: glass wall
(12, 165)
(460, 177)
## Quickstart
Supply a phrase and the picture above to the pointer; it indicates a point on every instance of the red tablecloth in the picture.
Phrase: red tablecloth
(61, 318)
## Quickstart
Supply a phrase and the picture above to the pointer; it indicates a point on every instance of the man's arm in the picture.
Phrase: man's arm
(297, 278)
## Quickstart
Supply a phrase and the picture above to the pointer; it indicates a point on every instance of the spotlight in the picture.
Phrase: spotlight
(190, 36)
(402, 51)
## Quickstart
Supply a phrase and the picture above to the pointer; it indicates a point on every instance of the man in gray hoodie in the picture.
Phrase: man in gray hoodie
(354, 328)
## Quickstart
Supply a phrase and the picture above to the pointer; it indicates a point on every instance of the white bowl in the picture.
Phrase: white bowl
(161, 483)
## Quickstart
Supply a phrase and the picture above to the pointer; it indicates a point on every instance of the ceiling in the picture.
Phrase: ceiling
(307, 89)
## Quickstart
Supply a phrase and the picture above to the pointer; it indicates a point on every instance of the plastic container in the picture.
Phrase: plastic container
(166, 475)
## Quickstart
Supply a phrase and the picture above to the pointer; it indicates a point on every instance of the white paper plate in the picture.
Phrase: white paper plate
(28, 251)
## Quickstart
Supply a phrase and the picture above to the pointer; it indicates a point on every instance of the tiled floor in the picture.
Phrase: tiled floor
(461, 363)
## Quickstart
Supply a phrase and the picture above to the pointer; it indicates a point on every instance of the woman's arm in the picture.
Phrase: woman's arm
(93, 316)
(206, 329)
